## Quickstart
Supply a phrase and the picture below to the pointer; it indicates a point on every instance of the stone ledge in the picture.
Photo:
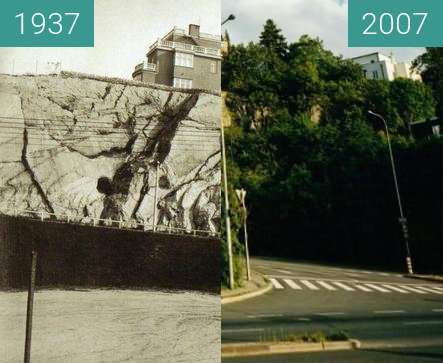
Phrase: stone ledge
(254, 349)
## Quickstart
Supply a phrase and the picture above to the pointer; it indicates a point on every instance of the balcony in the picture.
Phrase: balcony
(183, 46)
(145, 66)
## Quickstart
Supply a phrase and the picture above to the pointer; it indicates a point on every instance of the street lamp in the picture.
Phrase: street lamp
(229, 18)
(225, 184)
(403, 221)
(241, 195)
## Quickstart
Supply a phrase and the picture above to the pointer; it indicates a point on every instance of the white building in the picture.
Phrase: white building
(380, 66)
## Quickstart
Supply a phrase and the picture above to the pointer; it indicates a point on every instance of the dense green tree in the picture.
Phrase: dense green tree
(430, 64)
(272, 39)
(321, 187)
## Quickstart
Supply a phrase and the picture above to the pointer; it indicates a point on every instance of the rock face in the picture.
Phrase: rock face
(96, 148)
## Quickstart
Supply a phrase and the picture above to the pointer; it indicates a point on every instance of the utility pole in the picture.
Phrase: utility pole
(402, 220)
(154, 217)
(225, 185)
(227, 216)
(30, 308)
(241, 195)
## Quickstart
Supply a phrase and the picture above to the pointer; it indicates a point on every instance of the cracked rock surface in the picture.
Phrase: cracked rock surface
(108, 149)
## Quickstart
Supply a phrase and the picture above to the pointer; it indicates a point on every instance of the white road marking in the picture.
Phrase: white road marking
(396, 289)
(309, 285)
(276, 284)
(331, 314)
(389, 312)
(352, 274)
(363, 288)
(437, 310)
(384, 274)
(292, 284)
(265, 316)
(438, 288)
(326, 286)
(241, 330)
(378, 288)
(303, 319)
(430, 290)
(284, 272)
(343, 286)
(432, 322)
(412, 289)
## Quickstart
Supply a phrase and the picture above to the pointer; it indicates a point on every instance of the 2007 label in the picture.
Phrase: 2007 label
(388, 24)
(395, 23)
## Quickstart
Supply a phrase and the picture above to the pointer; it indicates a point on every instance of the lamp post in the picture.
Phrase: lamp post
(225, 185)
(241, 195)
(403, 221)
(229, 18)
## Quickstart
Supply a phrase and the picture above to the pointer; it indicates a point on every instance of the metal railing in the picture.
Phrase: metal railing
(179, 31)
(130, 224)
(184, 46)
(146, 66)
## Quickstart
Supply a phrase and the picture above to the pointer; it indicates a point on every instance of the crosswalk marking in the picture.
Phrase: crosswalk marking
(327, 286)
(430, 290)
(378, 288)
(309, 285)
(396, 289)
(292, 284)
(343, 286)
(363, 288)
(413, 289)
(276, 284)
(299, 284)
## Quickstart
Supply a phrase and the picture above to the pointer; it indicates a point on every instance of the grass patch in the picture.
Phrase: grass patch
(306, 337)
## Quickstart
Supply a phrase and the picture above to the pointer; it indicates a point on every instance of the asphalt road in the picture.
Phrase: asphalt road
(384, 310)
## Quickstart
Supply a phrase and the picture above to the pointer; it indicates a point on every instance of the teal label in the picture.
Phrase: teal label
(47, 23)
(395, 23)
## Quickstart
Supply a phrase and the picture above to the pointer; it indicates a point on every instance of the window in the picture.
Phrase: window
(184, 59)
(374, 74)
(213, 67)
(182, 83)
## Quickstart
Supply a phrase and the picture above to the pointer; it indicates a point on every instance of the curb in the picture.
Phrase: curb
(247, 295)
(253, 349)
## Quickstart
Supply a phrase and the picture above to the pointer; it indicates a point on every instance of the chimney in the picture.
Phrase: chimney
(194, 30)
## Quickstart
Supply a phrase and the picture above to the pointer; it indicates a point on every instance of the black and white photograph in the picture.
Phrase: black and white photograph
(110, 193)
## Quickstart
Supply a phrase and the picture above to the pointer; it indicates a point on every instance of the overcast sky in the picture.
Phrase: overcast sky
(326, 19)
(124, 29)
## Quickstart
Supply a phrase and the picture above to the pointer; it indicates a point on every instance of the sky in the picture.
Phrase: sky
(326, 19)
(124, 30)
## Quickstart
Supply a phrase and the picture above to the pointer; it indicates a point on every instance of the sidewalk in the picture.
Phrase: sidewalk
(258, 285)
(431, 278)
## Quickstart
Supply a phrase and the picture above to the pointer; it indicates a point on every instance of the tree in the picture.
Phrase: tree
(272, 39)
(430, 64)
(322, 187)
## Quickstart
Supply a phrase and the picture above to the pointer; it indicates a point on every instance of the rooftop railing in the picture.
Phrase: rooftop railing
(183, 46)
(179, 31)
